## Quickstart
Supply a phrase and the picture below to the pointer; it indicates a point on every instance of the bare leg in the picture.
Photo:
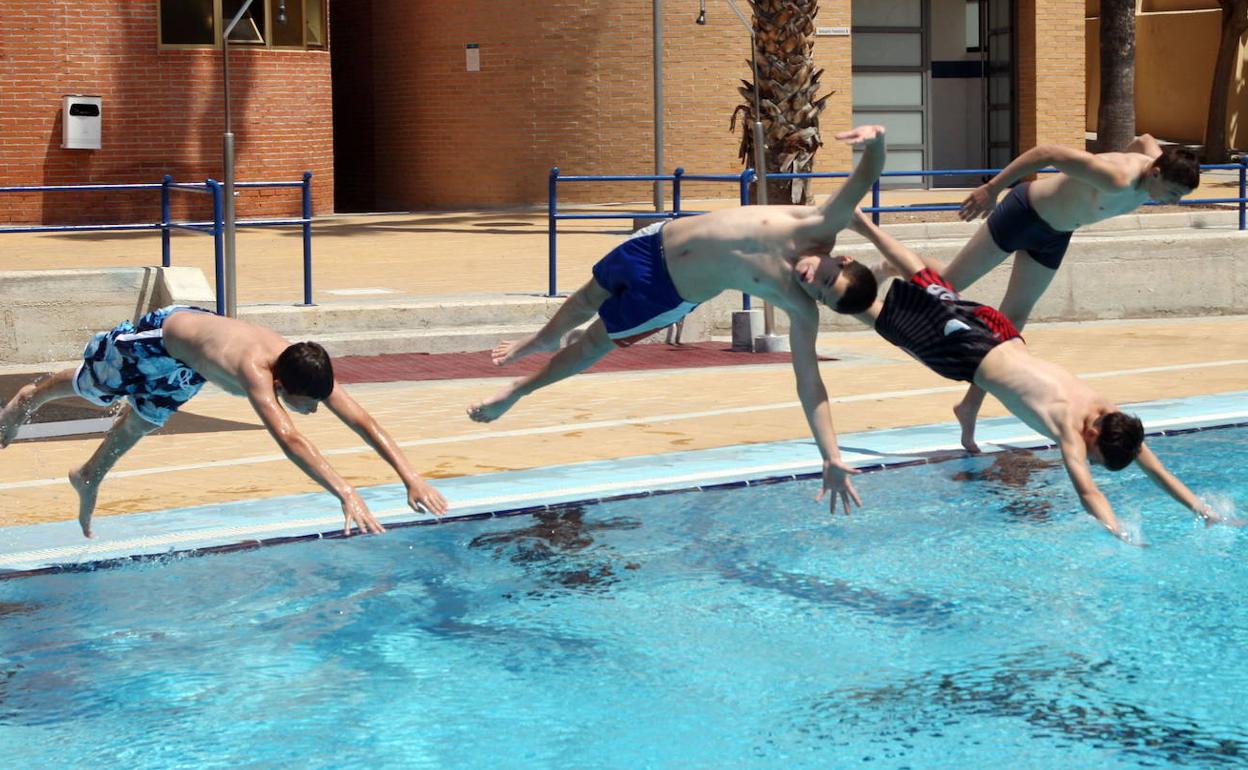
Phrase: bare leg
(124, 434)
(28, 400)
(575, 310)
(1028, 281)
(980, 255)
(576, 357)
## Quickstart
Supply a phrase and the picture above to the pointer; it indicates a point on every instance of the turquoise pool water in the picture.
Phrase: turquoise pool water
(971, 616)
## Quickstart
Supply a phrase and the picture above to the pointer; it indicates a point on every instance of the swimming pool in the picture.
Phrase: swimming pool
(969, 617)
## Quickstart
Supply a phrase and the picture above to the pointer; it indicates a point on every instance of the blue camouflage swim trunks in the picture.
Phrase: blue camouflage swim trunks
(132, 361)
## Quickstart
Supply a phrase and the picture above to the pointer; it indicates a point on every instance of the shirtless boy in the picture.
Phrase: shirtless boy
(963, 340)
(161, 363)
(663, 271)
(1036, 220)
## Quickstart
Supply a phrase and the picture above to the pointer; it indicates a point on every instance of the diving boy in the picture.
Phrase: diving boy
(163, 361)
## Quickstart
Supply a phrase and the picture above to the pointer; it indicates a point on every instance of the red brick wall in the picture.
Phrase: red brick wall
(566, 83)
(162, 114)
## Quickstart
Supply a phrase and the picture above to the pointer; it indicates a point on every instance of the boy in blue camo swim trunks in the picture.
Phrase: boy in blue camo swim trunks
(161, 362)
(132, 361)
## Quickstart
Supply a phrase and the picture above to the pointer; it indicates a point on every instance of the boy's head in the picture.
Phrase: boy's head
(1117, 440)
(1175, 173)
(841, 283)
(304, 376)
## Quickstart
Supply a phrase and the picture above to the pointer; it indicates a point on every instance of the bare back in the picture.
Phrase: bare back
(750, 249)
(1045, 396)
(229, 353)
(1067, 204)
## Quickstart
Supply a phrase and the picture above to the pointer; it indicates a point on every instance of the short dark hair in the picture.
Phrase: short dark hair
(860, 289)
(1120, 439)
(304, 369)
(1178, 165)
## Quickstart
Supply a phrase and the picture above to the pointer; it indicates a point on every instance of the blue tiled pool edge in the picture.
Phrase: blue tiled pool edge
(59, 546)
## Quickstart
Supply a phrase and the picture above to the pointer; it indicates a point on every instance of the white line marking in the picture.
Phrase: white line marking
(485, 435)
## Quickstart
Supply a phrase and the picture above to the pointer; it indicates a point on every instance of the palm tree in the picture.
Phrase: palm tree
(1115, 117)
(1234, 25)
(784, 33)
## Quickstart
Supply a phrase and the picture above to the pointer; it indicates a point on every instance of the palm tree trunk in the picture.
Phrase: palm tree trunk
(1115, 118)
(1234, 24)
(784, 31)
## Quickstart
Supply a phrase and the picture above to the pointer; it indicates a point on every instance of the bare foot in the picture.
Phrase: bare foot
(87, 490)
(966, 419)
(510, 351)
(494, 407)
(15, 413)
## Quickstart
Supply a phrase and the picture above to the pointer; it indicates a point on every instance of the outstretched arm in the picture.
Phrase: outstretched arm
(803, 329)
(1075, 458)
(1151, 465)
(837, 210)
(419, 493)
(903, 259)
(303, 454)
(1095, 170)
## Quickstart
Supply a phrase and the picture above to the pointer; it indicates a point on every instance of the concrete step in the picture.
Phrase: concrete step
(447, 339)
(405, 314)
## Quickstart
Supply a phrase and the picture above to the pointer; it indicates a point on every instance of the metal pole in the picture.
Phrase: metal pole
(658, 102)
(307, 237)
(227, 152)
(676, 192)
(217, 243)
(770, 343)
(1243, 167)
(875, 201)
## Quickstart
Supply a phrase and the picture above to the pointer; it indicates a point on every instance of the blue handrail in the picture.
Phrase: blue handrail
(747, 177)
(166, 225)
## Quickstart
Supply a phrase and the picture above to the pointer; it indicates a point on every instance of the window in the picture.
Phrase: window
(266, 23)
(973, 43)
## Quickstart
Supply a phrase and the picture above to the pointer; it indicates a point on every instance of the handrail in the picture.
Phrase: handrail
(747, 177)
(166, 225)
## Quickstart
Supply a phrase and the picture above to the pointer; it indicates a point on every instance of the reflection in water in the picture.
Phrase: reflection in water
(1010, 479)
(906, 608)
(1057, 699)
(556, 548)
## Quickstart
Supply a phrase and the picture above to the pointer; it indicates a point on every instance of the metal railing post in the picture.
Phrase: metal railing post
(676, 192)
(1243, 167)
(218, 241)
(307, 238)
(165, 256)
(551, 211)
(875, 201)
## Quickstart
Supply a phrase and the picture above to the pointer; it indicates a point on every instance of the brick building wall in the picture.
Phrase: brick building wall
(564, 83)
(1050, 73)
(162, 114)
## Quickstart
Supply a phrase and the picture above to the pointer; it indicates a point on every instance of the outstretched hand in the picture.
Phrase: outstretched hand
(836, 481)
(979, 203)
(356, 513)
(423, 497)
(865, 135)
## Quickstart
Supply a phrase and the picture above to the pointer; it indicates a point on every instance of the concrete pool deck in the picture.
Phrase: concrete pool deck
(593, 436)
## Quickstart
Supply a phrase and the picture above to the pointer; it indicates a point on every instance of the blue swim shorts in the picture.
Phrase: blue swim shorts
(643, 298)
(1015, 226)
(131, 361)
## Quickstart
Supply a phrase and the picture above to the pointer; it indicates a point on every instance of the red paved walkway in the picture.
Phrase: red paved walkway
(453, 366)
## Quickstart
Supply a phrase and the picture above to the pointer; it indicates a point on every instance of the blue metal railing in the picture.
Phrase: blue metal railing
(215, 227)
(747, 177)
(553, 215)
